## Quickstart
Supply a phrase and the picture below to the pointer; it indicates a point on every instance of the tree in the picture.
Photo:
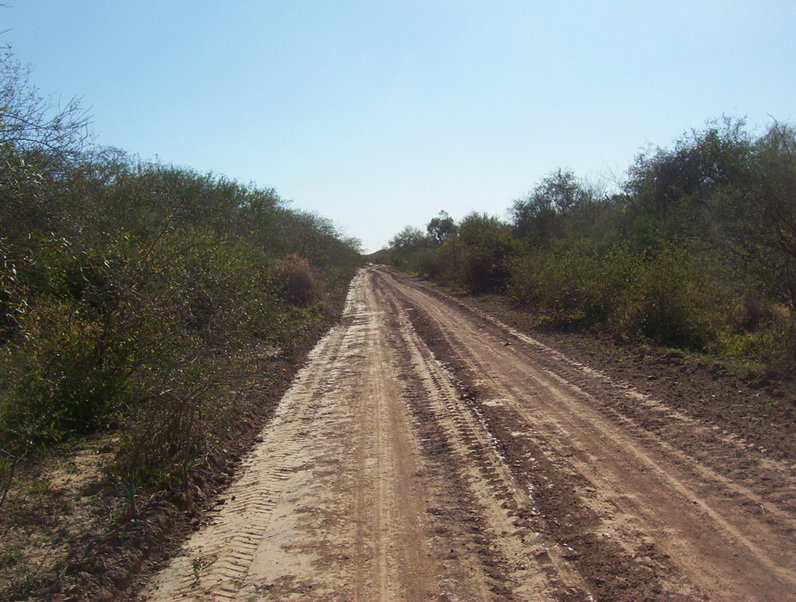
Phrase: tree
(536, 216)
(408, 239)
(776, 186)
(764, 220)
(440, 228)
(675, 186)
(406, 244)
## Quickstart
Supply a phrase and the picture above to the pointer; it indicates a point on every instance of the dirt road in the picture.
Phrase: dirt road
(427, 451)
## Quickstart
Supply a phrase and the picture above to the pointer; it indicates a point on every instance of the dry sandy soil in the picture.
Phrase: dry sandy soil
(429, 451)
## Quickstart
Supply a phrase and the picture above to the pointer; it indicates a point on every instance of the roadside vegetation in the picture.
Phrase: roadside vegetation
(696, 250)
(140, 301)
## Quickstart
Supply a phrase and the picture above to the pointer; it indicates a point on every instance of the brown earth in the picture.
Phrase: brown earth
(429, 451)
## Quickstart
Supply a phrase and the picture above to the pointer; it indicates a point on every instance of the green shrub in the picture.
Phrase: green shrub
(694, 250)
(56, 384)
(440, 262)
(676, 298)
(180, 413)
(769, 347)
(487, 250)
(121, 320)
(140, 297)
(573, 282)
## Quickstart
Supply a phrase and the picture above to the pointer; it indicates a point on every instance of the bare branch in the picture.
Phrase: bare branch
(29, 122)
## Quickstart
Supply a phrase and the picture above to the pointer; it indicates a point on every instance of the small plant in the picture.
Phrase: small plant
(39, 488)
(199, 564)
(9, 557)
(24, 580)
(8, 466)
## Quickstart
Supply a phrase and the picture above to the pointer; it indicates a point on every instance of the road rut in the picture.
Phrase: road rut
(427, 451)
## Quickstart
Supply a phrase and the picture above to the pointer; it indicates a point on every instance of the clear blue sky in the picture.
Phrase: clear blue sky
(378, 114)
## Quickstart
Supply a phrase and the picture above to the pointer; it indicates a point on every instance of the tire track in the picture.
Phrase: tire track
(535, 567)
(417, 455)
(215, 566)
(643, 412)
(373, 481)
(641, 485)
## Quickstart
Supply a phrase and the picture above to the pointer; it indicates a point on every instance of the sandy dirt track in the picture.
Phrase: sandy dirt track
(427, 451)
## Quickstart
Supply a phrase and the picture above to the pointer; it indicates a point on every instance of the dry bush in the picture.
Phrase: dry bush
(293, 276)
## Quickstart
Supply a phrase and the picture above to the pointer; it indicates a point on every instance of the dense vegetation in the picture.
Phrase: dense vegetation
(139, 298)
(697, 251)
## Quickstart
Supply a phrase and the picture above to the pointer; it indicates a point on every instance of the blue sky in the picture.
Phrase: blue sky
(379, 114)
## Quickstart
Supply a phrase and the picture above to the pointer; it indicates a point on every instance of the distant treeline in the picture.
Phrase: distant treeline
(141, 298)
(696, 251)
